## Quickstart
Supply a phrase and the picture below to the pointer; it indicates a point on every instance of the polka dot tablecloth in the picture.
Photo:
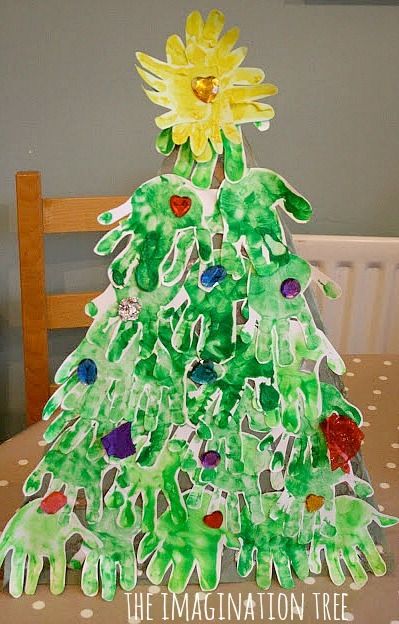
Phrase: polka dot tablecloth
(372, 383)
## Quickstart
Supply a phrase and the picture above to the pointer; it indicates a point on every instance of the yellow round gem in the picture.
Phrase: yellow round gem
(205, 88)
(314, 503)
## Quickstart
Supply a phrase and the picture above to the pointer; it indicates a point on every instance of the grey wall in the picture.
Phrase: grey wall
(72, 107)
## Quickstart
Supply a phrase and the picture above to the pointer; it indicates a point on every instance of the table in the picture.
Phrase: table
(372, 383)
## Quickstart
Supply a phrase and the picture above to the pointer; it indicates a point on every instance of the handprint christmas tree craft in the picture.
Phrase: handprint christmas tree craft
(196, 393)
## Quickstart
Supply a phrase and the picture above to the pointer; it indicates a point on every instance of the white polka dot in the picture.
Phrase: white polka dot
(381, 507)
(139, 572)
(390, 465)
(380, 548)
(134, 620)
(356, 360)
(86, 613)
(377, 392)
(154, 589)
(372, 408)
(42, 443)
(355, 587)
(394, 445)
(366, 423)
(23, 462)
(310, 580)
(346, 388)
(350, 374)
(349, 617)
(387, 363)
(383, 377)
(384, 486)
(200, 595)
(38, 605)
(3, 483)
(249, 603)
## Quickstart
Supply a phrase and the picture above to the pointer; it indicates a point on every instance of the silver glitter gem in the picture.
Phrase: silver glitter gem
(307, 366)
(129, 309)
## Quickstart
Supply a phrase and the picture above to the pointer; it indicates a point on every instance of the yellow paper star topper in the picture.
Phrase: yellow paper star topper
(208, 94)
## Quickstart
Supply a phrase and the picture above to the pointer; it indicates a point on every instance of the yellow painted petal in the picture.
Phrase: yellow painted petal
(216, 139)
(176, 51)
(248, 75)
(228, 41)
(158, 98)
(167, 120)
(238, 95)
(234, 59)
(198, 139)
(194, 25)
(206, 154)
(196, 55)
(232, 133)
(180, 133)
(213, 26)
(153, 65)
(256, 111)
(155, 83)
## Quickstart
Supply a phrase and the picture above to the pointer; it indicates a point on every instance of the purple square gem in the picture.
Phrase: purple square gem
(118, 442)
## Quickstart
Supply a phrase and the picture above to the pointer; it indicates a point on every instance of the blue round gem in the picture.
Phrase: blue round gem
(203, 373)
(87, 371)
(213, 275)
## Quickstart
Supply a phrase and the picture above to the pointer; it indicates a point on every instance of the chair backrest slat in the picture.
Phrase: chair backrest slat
(77, 214)
(67, 311)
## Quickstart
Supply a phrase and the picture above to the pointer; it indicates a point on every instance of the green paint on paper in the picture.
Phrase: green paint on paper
(261, 413)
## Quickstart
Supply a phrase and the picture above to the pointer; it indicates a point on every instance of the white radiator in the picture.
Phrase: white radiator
(366, 317)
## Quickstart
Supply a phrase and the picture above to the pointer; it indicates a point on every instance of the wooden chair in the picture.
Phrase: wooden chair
(37, 217)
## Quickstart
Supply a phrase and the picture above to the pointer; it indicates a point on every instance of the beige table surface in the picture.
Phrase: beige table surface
(373, 385)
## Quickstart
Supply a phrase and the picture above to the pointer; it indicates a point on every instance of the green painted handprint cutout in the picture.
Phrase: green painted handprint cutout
(272, 548)
(82, 468)
(163, 210)
(308, 496)
(299, 390)
(352, 537)
(283, 287)
(251, 225)
(33, 535)
(114, 552)
(183, 547)
(245, 482)
(226, 391)
(149, 481)
(333, 401)
(215, 308)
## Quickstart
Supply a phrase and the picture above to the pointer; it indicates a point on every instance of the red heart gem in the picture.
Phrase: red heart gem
(343, 438)
(214, 520)
(53, 502)
(180, 205)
